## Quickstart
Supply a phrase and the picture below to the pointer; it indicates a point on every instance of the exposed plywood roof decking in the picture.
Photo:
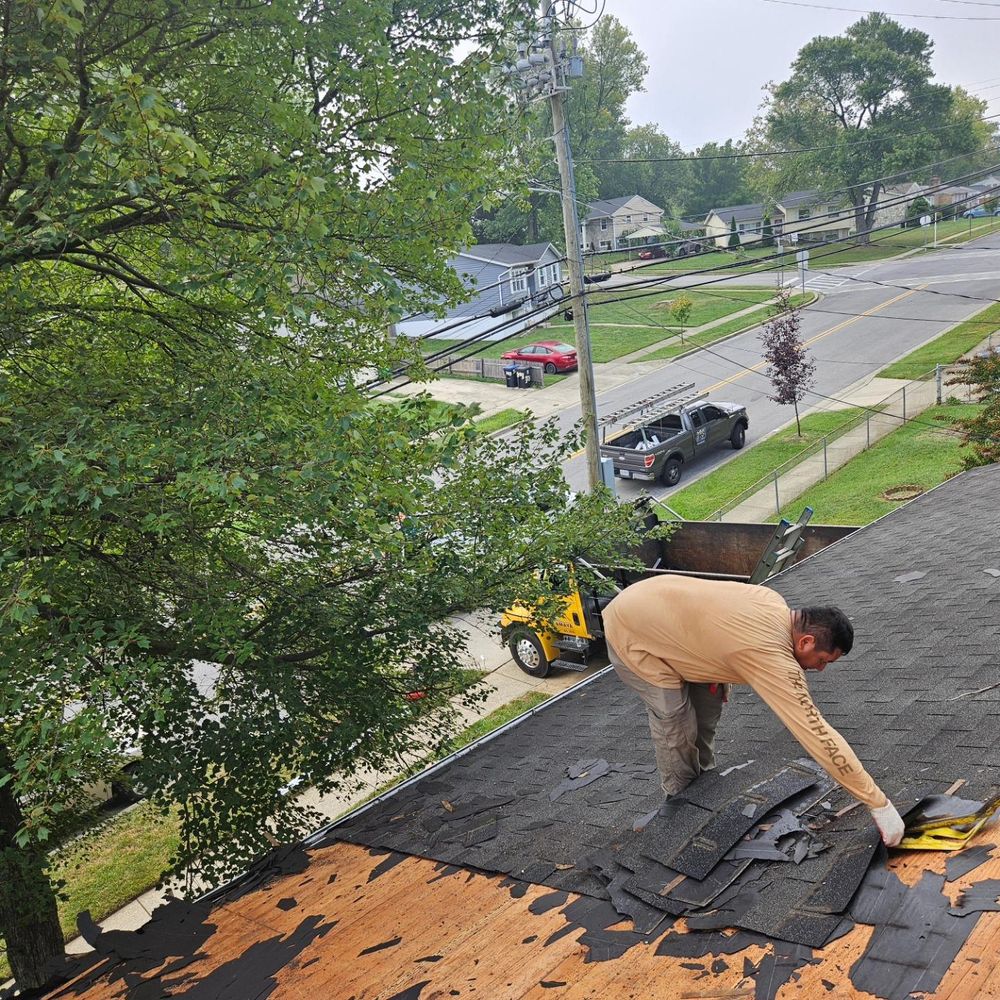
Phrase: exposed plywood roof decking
(468, 934)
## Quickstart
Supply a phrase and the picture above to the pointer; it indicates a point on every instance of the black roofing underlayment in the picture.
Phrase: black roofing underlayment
(563, 798)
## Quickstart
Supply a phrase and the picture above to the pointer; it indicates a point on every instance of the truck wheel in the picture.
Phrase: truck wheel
(739, 437)
(550, 369)
(526, 648)
(671, 474)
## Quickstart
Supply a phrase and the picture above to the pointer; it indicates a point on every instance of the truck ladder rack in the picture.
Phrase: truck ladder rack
(640, 407)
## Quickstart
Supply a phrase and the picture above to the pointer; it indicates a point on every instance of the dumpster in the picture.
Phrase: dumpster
(523, 378)
(510, 376)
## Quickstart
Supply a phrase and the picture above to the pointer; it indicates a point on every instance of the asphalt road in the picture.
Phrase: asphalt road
(870, 315)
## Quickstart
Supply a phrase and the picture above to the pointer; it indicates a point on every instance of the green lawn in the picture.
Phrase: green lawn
(916, 454)
(709, 336)
(947, 348)
(702, 499)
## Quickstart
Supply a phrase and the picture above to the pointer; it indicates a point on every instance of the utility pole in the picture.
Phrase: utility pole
(544, 72)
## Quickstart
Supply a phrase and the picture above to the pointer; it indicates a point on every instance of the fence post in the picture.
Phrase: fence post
(939, 380)
(777, 500)
(904, 404)
(868, 429)
(826, 470)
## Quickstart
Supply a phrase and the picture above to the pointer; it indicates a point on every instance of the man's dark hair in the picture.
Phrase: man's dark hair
(831, 627)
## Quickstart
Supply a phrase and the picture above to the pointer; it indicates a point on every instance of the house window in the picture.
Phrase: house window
(604, 225)
(542, 276)
(605, 244)
(519, 281)
(554, 275)
(803, 214)
(645, 216)
(628, 218)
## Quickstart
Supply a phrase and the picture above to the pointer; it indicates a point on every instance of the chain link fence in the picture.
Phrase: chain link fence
(814, 463)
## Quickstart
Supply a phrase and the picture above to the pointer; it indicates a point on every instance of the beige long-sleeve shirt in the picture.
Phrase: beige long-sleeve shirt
(672, 629)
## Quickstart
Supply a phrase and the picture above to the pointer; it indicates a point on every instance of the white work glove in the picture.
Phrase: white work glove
(889, 823)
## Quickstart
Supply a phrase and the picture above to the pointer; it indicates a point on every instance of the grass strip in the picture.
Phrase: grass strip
(736, 325)
(703, 498)
(501, 420)
(914, 455)
(947, 348)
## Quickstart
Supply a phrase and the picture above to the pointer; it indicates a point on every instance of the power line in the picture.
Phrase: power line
(655, 283)
(862, 10)
(692, 158)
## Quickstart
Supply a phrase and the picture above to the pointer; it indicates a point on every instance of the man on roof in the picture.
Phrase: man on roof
(678, 642)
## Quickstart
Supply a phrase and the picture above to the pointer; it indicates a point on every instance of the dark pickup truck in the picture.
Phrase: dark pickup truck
(662, 434)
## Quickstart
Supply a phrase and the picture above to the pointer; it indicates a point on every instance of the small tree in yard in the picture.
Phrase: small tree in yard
(789, 368)
(982, 432)
(680, 312)
(767, 232)
(734, 236)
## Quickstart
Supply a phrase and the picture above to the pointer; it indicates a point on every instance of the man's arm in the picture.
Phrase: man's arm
(781, 684)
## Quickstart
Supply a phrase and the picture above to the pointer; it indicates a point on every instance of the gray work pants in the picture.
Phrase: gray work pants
(682, 723)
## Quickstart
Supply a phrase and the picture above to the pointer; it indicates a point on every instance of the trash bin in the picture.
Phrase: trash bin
(510, 376)
(524, 378)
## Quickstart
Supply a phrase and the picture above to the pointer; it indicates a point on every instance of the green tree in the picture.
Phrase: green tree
(869, 95)
(658, 170)
(614, 68)
(917, 208)
(982, 432)
(734, 236)
(217, 547)
(717, 178)
(767, 232)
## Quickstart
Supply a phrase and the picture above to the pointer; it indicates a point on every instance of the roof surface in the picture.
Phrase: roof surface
(554, 802)
(741, 213)
(507, 253)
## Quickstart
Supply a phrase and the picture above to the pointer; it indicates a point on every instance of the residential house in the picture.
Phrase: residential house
(749, 224)
(505, 282)
(610, 224)
(535, 862)
(814, 217)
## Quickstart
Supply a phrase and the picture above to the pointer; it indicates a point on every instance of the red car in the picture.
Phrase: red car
(554, 355)
(653, 253)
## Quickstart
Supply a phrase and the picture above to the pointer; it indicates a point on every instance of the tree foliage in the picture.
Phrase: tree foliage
(734, 236)
(867, 98)
(217, 547)
(717, 178)
(982, 432)
(789, 366)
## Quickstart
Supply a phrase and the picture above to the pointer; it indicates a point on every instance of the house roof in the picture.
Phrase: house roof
(796, 198)
(602, 208)
(742, 213)
(507, 253)
(399, 899)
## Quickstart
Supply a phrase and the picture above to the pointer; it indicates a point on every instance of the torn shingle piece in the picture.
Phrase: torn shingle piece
(723, 829)
(963, 862)
(979, 898)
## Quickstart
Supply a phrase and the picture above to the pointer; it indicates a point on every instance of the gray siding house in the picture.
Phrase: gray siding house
(610, 224)
(505, 282)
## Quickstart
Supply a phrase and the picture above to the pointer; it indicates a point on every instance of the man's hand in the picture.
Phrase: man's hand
(889, 823)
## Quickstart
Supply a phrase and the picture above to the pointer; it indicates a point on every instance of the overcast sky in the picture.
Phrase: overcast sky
(709, 59)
